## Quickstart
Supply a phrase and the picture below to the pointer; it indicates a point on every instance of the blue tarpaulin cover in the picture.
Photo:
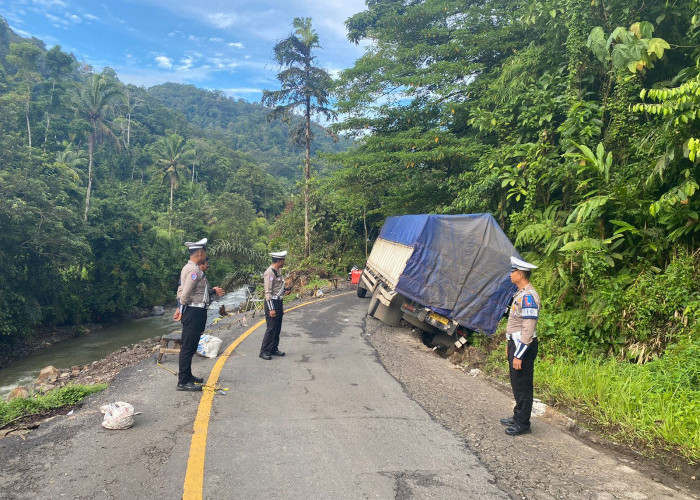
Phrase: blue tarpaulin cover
(460, 266)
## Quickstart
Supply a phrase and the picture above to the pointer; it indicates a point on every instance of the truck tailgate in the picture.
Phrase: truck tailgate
(389, 259)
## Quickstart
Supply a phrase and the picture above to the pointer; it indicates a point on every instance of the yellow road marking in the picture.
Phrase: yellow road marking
(194, 478)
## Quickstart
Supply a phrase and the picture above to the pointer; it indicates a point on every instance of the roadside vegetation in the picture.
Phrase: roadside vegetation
(576, 125)
(46, 404)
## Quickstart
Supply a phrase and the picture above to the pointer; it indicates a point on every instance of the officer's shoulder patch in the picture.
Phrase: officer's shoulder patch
(193, 276)
(529, 301)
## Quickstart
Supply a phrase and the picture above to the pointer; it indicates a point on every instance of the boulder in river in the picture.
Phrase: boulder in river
(44, 388)
(48, 374)
(158, 311)
(18, 392)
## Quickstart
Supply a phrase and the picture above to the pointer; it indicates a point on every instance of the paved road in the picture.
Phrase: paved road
(338, 417)
(326, 421)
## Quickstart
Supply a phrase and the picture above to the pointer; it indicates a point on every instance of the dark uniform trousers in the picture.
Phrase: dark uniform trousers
(271, 340)
(522, 382)
(194, 320)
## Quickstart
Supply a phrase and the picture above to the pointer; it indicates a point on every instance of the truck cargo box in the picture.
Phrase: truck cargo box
(457, 265)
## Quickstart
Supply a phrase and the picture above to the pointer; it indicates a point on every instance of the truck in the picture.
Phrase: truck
(443, 274)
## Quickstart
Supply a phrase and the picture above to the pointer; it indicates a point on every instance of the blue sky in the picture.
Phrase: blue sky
(213, 44)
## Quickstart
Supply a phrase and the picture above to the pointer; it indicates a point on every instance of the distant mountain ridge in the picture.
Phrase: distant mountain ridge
(243, 126)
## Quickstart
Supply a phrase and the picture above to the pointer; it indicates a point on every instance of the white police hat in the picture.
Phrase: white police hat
(197, 244)
(521, 265)
(278, 255)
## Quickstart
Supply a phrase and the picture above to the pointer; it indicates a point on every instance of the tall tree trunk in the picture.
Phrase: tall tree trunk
(46, 132)
(48, 116)
(128, 129)
(170, 217)
(91, 146)
(26, 115)
(307, 176)
(364, 220)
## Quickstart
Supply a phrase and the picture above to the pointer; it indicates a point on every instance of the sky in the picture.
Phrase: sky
(213, 44)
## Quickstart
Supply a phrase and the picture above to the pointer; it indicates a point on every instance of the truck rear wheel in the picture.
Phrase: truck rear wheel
(373, 305)
(361, 292)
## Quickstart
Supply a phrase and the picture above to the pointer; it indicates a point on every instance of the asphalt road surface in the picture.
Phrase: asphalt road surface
(325, 421)
(337, 418)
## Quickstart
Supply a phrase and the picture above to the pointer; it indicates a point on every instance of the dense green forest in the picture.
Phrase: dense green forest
(576, 123)
(101, 183)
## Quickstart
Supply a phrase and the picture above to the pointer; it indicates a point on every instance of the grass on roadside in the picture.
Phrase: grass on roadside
(37, 405)
(657, 404)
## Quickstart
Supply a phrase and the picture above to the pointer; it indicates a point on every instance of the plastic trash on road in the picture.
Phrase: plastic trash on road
(117, 415)
(209, 346)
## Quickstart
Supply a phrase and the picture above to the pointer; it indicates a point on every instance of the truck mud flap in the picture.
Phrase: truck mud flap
(373, 305)
(391, 314)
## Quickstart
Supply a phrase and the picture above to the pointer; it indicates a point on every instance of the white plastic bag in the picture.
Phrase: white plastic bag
(208, 346)
(118, 415)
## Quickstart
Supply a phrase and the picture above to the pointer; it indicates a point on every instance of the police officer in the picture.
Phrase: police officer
(193, 296)
(177, 316)
(274, 291)
(522, 345)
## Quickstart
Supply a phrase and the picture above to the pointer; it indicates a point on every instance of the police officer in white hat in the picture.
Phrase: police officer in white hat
(193, 296)
(274, 292)
(522, 345)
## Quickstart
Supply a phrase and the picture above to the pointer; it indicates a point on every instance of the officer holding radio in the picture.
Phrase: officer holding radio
(274, 292)
(193, 297)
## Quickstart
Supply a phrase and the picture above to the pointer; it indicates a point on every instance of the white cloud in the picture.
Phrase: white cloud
(75, 19)
(237, 45)
(223, 20)
(216, 39)
(149, 77)
(164, 62)
(57, 21)
(91, 17)
(21, 33)
(243, 92)
(222, 63)
(185, 63)
(49, 3)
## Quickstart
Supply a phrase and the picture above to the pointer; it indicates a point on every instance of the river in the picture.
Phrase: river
(96, 345)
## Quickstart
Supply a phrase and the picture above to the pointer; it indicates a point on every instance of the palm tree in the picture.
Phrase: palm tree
(69, 160)
(92, 101)
(305, 87)
(173, 154)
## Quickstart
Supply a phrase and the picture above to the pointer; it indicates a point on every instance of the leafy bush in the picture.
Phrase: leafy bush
(656, 304)
(58, 398)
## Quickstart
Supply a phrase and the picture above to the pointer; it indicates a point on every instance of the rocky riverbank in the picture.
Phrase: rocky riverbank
(44, 336)
(97, 372)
